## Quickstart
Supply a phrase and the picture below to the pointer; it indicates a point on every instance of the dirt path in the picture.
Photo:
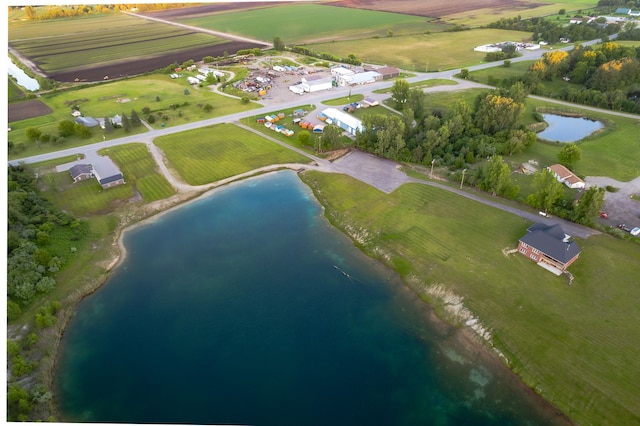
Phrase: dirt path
(202, 30)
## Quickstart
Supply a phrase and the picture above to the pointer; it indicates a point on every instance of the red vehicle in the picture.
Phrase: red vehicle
(604, 215)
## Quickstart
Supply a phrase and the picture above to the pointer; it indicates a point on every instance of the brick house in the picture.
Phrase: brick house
(549, 247)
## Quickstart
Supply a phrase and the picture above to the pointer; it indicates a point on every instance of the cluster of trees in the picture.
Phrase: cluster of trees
(350, 59)
(605, 77)
(455, 138)
(33, 257)
(552, 32)
(549, 196)
(31, 13)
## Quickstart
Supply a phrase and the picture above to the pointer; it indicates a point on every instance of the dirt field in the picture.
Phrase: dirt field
(139, 66)
(208, 9)
(27, 109)
(433, 8)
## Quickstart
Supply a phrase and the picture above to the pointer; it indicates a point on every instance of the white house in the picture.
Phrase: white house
(566, 176)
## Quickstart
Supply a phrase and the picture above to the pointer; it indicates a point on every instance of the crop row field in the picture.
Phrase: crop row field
(305, 23)
(422, 52)
(81, 45)
(557, 337)
(213, 153)
(114, 45)
(472, 13)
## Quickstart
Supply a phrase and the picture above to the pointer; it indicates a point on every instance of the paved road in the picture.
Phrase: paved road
(382, 174)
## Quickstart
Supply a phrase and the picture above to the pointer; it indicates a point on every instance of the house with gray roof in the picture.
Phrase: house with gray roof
(87, 121)
(100, 167)
(549, 247)
(81, 172)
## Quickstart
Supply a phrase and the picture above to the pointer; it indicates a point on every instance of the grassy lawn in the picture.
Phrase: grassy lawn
(424, 84)
(212, 153)
(442, 51)
(573, 344)
(86, 197)
(140, 170)
(344, 100)
(338, 23)
(156, 92)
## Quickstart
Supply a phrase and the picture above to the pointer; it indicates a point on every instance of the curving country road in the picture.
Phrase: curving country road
(382, 174)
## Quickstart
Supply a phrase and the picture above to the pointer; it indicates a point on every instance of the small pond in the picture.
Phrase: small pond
(22, 78)
(568, 129)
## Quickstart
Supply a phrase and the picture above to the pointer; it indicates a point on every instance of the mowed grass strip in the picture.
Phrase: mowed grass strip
(308, 22)
(440, 51)
(575, 345)
(86, 197)
(212, 153)
(140, 170)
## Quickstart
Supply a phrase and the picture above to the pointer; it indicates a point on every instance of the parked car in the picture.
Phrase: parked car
(604, 215)
(624, 227)
(635, 231)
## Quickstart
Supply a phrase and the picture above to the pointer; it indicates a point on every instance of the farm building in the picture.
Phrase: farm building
(549, 247)
(566, 176)
(317, 85)
(81, 172)
(106, 172)
(387, 72)
(87, 121)
(102, 168)
(342, 119)
(362, 78)
(369, 102)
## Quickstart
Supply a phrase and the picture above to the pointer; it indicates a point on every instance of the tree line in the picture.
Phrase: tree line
(465, 134)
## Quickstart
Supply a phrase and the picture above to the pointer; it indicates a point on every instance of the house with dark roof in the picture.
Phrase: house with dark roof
(81, 172)
(549, 247)
(102, 168)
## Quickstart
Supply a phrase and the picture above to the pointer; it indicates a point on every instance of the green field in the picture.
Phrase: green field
(304, 23)
(109, 99)
(140, 170)
(575, 345)
(66, 44)
(525, 9)
(438, 51)
(212, 153)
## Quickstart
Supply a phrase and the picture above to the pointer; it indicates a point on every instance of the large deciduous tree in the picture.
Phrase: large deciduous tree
(570, 155)
(548, 191)
(400, 93)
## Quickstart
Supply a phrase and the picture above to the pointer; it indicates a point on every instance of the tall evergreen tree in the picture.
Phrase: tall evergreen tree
(126, 125)
(135, 119)
(108, 125)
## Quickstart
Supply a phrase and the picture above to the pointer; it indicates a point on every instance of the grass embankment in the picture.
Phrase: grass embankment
(165, 98)
(314, 22)
(575, 345)
(212, 153)
(451, 49)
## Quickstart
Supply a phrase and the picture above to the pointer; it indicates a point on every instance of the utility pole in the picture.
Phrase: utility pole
(432, 161)
(462, 180)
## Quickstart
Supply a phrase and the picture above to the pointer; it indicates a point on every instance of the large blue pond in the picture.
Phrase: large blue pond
(247, 307)
(568, 129)
(22, 78)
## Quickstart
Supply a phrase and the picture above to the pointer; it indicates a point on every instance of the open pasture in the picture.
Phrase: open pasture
(420, 52)
(304, 23)
(140, 170)
(213, 153)
(560, 339)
